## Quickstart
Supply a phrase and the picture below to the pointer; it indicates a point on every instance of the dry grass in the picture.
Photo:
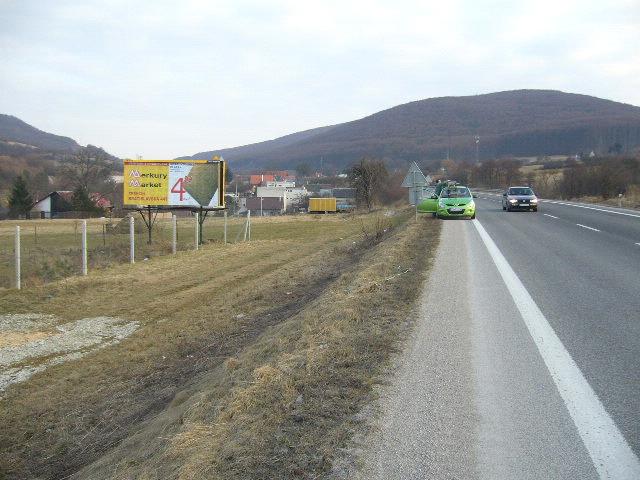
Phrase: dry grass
(250, 362)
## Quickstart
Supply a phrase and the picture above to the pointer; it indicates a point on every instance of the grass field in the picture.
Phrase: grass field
(251, 361)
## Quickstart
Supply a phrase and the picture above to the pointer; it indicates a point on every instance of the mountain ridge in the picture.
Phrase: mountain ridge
(15, 130)
(525, 122)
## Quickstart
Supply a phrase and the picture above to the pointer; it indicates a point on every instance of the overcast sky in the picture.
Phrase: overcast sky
(169, 78)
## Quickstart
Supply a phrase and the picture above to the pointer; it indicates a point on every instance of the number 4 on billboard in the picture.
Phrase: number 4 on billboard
(179, 188)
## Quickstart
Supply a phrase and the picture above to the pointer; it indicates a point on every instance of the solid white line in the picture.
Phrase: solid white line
(547, 215)
(591, 208)
(589, 228)
(609, 451)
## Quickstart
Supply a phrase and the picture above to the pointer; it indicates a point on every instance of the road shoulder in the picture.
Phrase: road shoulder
(427, 424)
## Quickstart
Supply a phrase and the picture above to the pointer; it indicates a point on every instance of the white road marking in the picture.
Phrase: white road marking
(609, 451)
(637, 243)
(588, 228)
(591, 208)
(547, 215)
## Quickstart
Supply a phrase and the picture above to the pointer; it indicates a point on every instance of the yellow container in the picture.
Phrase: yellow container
(322, 205)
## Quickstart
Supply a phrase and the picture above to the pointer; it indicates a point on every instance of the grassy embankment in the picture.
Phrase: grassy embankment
(251, 360)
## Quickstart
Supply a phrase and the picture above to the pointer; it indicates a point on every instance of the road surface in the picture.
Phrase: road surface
(531, 370)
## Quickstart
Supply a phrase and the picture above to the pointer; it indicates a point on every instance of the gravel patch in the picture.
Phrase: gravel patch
(70, 341)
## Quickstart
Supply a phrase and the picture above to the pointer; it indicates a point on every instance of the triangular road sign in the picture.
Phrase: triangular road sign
(414, 178)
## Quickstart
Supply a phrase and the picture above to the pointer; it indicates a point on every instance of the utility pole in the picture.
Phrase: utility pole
(477, 139)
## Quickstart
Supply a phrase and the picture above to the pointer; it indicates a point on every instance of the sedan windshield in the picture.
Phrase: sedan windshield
(520, 191)
(455, 192)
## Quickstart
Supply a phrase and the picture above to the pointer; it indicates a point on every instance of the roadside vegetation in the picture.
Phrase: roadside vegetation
(250, 361)
(613, 178)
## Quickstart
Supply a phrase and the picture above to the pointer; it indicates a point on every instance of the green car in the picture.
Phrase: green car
(429, 204)
(455, 202)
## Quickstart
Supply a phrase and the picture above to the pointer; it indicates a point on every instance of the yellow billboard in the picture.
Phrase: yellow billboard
(175, 183)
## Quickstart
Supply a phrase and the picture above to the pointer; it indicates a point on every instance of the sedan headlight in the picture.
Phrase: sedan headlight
(534, 200)
(471, 204)
(513, 200)
(441, 204)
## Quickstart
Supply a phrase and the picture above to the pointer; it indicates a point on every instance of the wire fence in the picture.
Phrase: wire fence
(53, 249)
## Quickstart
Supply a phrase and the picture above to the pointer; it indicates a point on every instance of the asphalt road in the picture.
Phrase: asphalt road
(531, 369)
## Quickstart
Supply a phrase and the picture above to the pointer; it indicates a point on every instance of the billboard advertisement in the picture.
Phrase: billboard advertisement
(174, 183)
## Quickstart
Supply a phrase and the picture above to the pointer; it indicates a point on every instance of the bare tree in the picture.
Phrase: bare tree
(368, 177)
(90, 169)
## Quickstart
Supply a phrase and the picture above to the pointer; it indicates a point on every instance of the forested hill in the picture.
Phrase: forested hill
(519, 122)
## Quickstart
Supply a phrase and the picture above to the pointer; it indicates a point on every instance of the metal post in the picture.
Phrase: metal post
(84, 247)
(246, 226)
(249, 223)
(174, 236)
(197, 230)
(132, 240)
(225, 227)
(17, 251)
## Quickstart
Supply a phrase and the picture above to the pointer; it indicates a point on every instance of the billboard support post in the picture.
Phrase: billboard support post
(132, 240)
(197, 230)
(225, 227)
(174, 236)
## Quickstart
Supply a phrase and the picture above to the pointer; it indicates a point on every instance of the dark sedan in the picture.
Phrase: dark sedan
(519, 198)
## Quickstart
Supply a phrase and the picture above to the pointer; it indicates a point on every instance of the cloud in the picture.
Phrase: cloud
(164, 79)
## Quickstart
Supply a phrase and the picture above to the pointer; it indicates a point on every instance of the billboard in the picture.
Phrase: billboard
(175, 183)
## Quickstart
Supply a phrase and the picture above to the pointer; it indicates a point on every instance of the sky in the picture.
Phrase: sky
(161, 79)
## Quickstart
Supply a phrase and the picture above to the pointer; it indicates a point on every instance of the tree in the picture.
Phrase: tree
(82, 202)
(303, 169)
(89, 169)
(368, 177)
(20, 200)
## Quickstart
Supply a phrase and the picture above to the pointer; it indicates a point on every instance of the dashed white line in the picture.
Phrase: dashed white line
(547, 215)
(610, 453)
(637, 243)
(588, 228)
(591, 208)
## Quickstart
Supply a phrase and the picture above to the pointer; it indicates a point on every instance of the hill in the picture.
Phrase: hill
(17, 136)
(519, 123)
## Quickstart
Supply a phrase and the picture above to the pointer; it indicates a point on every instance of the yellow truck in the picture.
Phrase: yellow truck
(323, 205)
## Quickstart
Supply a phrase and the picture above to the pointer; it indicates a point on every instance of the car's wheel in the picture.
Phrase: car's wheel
(535, 209)
(473, 216)
(503, 207)
(508, 209)
(434, 214)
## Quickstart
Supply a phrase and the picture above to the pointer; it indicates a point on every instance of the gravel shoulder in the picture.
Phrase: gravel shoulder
(428, 422)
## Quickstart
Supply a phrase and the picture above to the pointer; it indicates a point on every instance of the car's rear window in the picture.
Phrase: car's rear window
(520, 191)
(455, 192)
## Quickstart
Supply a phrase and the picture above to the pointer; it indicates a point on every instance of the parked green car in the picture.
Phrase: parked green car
(429, 204)
(455, 202)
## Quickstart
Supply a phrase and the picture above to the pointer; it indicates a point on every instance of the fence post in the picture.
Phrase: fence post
(225, 227)
(17, 251)
(84, 247)
(132, 239)
(249, 222)
(174, 247)
(197, 230)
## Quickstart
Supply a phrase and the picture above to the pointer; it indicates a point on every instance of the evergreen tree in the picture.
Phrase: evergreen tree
(20, 200)
(81, 201)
